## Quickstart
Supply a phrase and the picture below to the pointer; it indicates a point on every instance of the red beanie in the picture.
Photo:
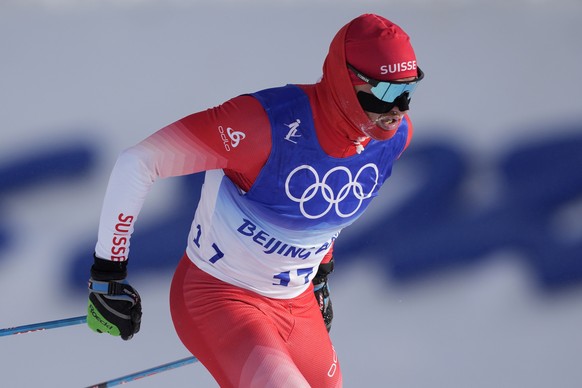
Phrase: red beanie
(379, 49)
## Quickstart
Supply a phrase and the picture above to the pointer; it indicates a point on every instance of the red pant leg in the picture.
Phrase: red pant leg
(245, 339)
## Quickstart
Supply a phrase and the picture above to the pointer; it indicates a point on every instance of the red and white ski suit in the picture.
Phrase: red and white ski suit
(242, 336)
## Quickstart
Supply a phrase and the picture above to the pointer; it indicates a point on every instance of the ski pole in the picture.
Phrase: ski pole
(43, 325)
(145, 373)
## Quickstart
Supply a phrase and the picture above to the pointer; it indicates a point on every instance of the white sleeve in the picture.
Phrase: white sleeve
(187, 146)
(172, 151)
(129, 184)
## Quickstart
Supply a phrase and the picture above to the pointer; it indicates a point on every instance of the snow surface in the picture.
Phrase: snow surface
(113, 72)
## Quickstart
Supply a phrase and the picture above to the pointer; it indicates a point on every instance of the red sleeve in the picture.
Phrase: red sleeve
(235, 136)
(328, 256)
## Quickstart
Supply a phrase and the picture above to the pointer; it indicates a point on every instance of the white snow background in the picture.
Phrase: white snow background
(115, 71)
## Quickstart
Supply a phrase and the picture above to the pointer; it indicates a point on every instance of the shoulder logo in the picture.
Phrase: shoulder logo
(235, 136)
(293, 129)
(230, 137)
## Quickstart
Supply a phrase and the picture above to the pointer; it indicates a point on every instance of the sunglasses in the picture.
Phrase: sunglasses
(389, 91)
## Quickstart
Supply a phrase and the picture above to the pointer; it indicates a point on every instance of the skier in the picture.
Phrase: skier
(287, 169)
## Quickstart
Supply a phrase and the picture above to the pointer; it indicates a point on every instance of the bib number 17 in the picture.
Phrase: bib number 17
(298, 277)
(218, 253)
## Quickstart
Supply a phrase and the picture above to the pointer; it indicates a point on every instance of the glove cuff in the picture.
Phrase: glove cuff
(105, 270)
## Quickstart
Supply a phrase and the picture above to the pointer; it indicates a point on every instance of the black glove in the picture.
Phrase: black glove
(114, 305)
(321, 290)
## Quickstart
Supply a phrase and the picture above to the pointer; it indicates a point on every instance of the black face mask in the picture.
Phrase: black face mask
(370, 103)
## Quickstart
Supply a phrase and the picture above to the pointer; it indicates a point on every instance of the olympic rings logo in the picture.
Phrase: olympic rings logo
(353, 187)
